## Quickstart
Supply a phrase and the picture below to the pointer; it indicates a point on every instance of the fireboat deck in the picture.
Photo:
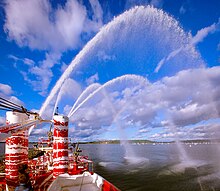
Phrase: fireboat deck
(83, 182)
(57, 163)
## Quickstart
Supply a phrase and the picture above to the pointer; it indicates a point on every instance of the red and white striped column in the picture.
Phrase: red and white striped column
(16, 151)
(60, 145)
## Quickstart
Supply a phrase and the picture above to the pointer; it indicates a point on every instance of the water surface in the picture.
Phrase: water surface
(156, 167)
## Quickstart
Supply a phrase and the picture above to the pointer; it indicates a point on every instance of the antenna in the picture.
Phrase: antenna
(56, 112)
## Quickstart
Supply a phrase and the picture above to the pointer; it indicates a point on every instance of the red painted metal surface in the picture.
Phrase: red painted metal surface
(107, 186)
(16, 151)
(60, 145)
(56, 160)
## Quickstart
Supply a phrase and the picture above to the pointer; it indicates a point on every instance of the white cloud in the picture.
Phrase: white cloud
(38, 75)
(15, 58)
(94, 78)
(204, 32)
(192, 113)
(199, 131)
(86, 93)
(71, 89)
(5, 89)
(7, 92)
(97, 18)
(102, 56)
(189, 97)
(63, 67)
(199, 37)
(28, 62)
(157, 3)
(27, 27)
(69, 92)
(143, 131)
(67, 109)
(25, 61)
(43, 27)
(195, 92)
(39, 131)
(182, 10)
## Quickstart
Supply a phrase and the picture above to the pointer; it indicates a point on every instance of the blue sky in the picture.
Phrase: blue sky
(173, 48)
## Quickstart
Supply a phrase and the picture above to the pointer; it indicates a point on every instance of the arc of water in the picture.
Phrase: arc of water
(89, 90)
(88, 47)
(182, 152)
(194, 41)
(57, 101)
(129, 152)
(121, 78)
(166, 59)
(108, 29)
(123, 138)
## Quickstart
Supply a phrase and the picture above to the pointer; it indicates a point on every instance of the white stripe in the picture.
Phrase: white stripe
(59, 150)
(16, 151)
(60, 158)
(61, 167)
(60, 139)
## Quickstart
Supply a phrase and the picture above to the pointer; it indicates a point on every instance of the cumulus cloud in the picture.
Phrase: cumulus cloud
(45, 28)
(199, 131)
(63, 67)
(7, 92)
(92, 79)
(39, 75)
(95, 116)
(40, 131)
(103, 108)
(204, 32)
(102, 56)
(49, 29)
(26, 61)
(183, 100)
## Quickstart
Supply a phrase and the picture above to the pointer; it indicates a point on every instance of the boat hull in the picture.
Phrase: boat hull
(83, 182)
